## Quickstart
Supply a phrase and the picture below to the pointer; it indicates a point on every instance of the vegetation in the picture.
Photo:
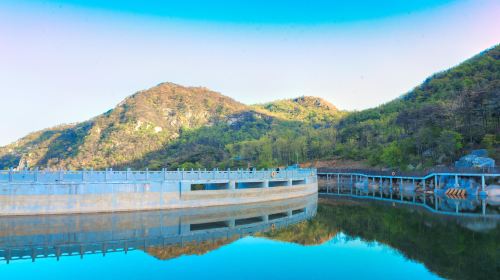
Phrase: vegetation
(185, 127)
(450, 111)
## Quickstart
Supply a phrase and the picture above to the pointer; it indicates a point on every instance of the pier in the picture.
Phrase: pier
(30, 192)
(464, 194)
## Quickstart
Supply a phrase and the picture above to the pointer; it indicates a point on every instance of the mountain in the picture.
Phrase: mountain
(167, 125)
(451, 112)
(142, 123)
(306, 109)
(192, 127)
(261, 136)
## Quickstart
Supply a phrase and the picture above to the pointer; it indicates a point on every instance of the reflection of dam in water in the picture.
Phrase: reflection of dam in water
(32, 237)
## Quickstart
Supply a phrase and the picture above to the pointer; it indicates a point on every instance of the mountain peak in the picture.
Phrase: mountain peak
(142, 123)
(314, 101)
(303, 108)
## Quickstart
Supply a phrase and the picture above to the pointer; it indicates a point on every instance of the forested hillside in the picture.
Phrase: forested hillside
(255, 137)
(187, 127)
(181, 127)
(450, 112)
(142, 123)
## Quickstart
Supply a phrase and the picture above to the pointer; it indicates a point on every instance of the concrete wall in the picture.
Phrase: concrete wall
(62, 198)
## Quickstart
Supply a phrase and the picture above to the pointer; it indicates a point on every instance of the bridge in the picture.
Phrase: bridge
(452, 193)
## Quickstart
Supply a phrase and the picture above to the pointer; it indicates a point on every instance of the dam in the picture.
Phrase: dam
(35, 192)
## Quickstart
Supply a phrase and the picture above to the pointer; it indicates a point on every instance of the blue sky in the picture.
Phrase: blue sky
(69, 60)
(256, 11)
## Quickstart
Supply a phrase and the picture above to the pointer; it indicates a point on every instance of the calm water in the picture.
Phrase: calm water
(297, 239)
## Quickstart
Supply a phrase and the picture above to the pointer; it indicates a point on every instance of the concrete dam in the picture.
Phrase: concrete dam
(35, 192)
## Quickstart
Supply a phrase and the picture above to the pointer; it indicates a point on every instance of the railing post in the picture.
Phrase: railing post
(61, 176)
(380, 187)
(338, 183)
(35, 176)
(401, 189)
(147, 173)
(10, 174)
(83, 175)
(482, 183)
(327, 183)
(165, 174)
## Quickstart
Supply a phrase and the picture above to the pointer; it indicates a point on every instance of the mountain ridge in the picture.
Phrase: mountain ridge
(160, 113)
(193, 127)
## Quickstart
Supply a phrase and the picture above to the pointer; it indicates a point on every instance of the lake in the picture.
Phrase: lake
(294, 239)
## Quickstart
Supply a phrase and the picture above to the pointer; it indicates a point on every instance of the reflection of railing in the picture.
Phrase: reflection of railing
(69, 235)
(430, 202)
(45, 176)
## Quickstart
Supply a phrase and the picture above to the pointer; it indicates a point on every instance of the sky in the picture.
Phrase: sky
(64, 61)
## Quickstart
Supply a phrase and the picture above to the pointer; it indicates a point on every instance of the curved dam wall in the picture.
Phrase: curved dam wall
(62, 192)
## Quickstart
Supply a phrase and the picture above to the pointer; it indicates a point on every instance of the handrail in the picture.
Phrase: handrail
(439, 170)
(428, 176)
(109, 175)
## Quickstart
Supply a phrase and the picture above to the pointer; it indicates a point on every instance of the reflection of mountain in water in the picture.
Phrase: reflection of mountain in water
(452, 247)
(191, 248)
(164, 234)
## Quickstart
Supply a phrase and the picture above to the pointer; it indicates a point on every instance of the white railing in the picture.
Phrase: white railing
(102, 176)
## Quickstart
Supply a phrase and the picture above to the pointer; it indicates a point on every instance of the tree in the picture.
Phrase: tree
(392, 155)
(449, 143)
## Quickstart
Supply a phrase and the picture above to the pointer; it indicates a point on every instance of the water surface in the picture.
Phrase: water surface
(297, 239)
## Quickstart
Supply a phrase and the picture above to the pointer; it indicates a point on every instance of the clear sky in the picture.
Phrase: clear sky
(64, 61)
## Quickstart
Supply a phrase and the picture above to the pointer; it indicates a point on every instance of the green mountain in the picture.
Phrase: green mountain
(452, 111)
(142, 123)
(191, 127)
(313, 110)
(167, 125)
